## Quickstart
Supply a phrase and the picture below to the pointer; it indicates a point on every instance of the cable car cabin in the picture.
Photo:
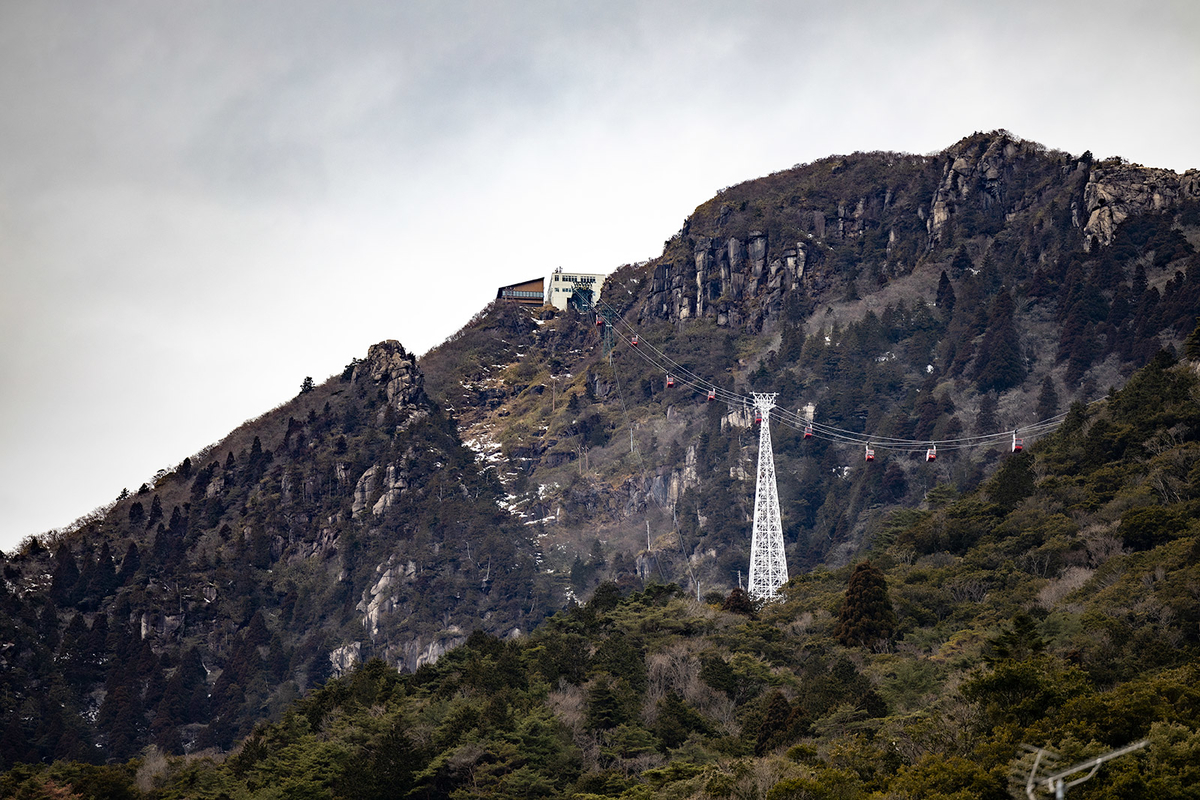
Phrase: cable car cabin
(633, 341)
(758, 418)
(599, 321)
(670, 382)
(931, 454)
(808, 431)
(869, 455)
(1018, 444)
(712, 395)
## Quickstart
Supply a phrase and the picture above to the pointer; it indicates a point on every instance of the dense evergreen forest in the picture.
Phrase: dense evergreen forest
(1054, 606)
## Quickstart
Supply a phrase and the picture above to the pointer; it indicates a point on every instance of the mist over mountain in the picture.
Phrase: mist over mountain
(396, 508)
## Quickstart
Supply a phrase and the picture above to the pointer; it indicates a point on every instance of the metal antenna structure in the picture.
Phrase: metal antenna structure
(1059, 783)
(768, 566)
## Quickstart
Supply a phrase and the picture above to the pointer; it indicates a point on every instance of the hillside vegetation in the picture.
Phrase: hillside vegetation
(1057, 605)
(395, 510)
(349, 523)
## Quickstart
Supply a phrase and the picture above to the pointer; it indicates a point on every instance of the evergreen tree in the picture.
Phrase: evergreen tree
(1020, 642)
(1047, 402)
(866, 616)
(156, 512)
(962, 262)
(1191, 347)
(774, 723)
(257, 462)
(65, 577)
(1000, 365)
(739, 602)
(986, 421)
(130, 564)
(103, 580)
(1014, 481)
(945, 295)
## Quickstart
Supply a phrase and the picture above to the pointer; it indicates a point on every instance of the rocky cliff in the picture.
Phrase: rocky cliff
(1115, 193)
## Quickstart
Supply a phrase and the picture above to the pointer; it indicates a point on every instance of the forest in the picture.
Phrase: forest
(1056, 606)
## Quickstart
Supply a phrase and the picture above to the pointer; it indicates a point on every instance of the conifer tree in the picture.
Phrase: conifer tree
(986, 421)
(866, 616)
(65, 577)
(104, 578)
(1047, 402)
(129, 564)
(774, 722)
(1000, 365)
(1191, 347)
(739, 603)
(945, 294)
(156, 512)
(962, 262)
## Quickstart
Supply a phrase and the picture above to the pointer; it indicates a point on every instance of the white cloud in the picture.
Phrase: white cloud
(202, 204)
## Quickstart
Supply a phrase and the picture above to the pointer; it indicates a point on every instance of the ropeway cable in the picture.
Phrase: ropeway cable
(811, 428)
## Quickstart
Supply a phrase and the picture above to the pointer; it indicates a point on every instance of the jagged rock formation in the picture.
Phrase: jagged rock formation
(1115, 193)
(389, 366)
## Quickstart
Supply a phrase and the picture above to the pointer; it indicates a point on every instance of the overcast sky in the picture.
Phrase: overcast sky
(201, 203)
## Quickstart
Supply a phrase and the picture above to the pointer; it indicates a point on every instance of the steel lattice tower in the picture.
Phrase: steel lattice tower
(768, 566)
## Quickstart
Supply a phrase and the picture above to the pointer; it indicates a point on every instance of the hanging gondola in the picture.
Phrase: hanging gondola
(670, 382)
(633, 341)
(1017, 443)
(869, 455)
(808, 431)
(599, 321)
(712, 395)
(931, 453)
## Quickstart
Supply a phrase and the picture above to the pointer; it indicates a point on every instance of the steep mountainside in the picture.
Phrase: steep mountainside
(349, 522)
(975, 291)
(1056, 606)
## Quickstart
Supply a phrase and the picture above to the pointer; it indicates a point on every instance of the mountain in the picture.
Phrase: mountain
(1054, 606)
(347, 523)
(972, 292)
(396, 508)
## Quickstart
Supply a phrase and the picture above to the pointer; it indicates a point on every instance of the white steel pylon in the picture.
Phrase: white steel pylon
(768, 567)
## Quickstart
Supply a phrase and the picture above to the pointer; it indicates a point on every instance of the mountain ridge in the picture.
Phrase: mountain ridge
(353, 522)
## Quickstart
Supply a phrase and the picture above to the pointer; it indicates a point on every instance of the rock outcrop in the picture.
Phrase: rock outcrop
(974, 173)
(1113, 194)
(731, 280)
(390, 366)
